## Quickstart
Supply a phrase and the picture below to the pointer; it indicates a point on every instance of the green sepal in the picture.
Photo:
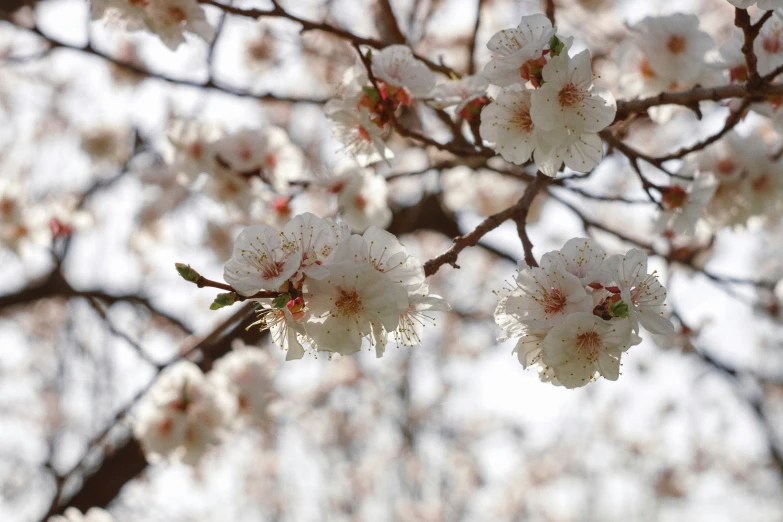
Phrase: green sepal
(556, 46)
(281, 300)
(222, 300)
(187, 273)
(371, 93)
(618, 309)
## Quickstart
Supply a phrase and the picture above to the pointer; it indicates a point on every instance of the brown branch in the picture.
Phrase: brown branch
(549, 10)
(56, 286)
(473, 36)
(690, 97)
(394, 27)
(307, 25)
(454, 147)
(750, 32)
(202, 281)
(521, 207)
(124, 461)
(210, 84)
(732, 121)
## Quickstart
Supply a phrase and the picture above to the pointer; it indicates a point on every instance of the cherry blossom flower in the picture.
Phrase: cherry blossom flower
(93, 514)
(684, 203)
(316, 239)
(355, 301)
(766, 5)
(362, 201)
(363, 138)
(507, 123)
(396, 66)
(385, 253)
(768, 46)
(674, 46)
(261, 261)
(168, 19)
(579, 151)
(180, 416)
(528, 351)
(568, 102)
(247, 376)
(268, 154)
(582, 346)
(516, 51)
(542, 296)
(644, 291)
(410, 329)
(458, 92)
(583, 258)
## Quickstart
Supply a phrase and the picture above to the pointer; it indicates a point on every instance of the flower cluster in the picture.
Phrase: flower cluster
(733, 180)
(168, 19)
(549, 110)
(186, 412)
(336, 289)
(74, 515)
(580, 310)
(666, 53)
(361, 114)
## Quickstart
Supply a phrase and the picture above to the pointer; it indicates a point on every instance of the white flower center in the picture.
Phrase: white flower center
(589, 343)
(570, 95)
(349, 303)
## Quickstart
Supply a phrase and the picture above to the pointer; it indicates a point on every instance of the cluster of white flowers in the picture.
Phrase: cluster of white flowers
(580, 310)
(336, 288)
(549, 110)
(735, 179)
(168, 19)
(74, 515)
(767, 5)
(186, 412)
(360, 119)
(27, 224)
(181, 416)
(666, 53)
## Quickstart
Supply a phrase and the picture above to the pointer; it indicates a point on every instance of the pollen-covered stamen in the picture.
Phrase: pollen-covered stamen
(570, 95)
(349, 303)
(676, 44)
(589, 343)
(522, 119)
(407, 332)
(554, 301)
(264, 261)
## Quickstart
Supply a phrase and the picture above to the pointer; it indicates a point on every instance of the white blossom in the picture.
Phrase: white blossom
(362, 137)
(507, 123)
(458, 92)
(362, 201)
(410, 329)
(355, 301)
(168, 19)
(513, 48)
(262, 260)
(568, 102)
(583, 258)
(582, 346)
(542, 296)
(674, 46)
(93, 514)
(180, 416)
(684, 203)
(766, 5)
(247, 376)
(395, 65)
(642, 290)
